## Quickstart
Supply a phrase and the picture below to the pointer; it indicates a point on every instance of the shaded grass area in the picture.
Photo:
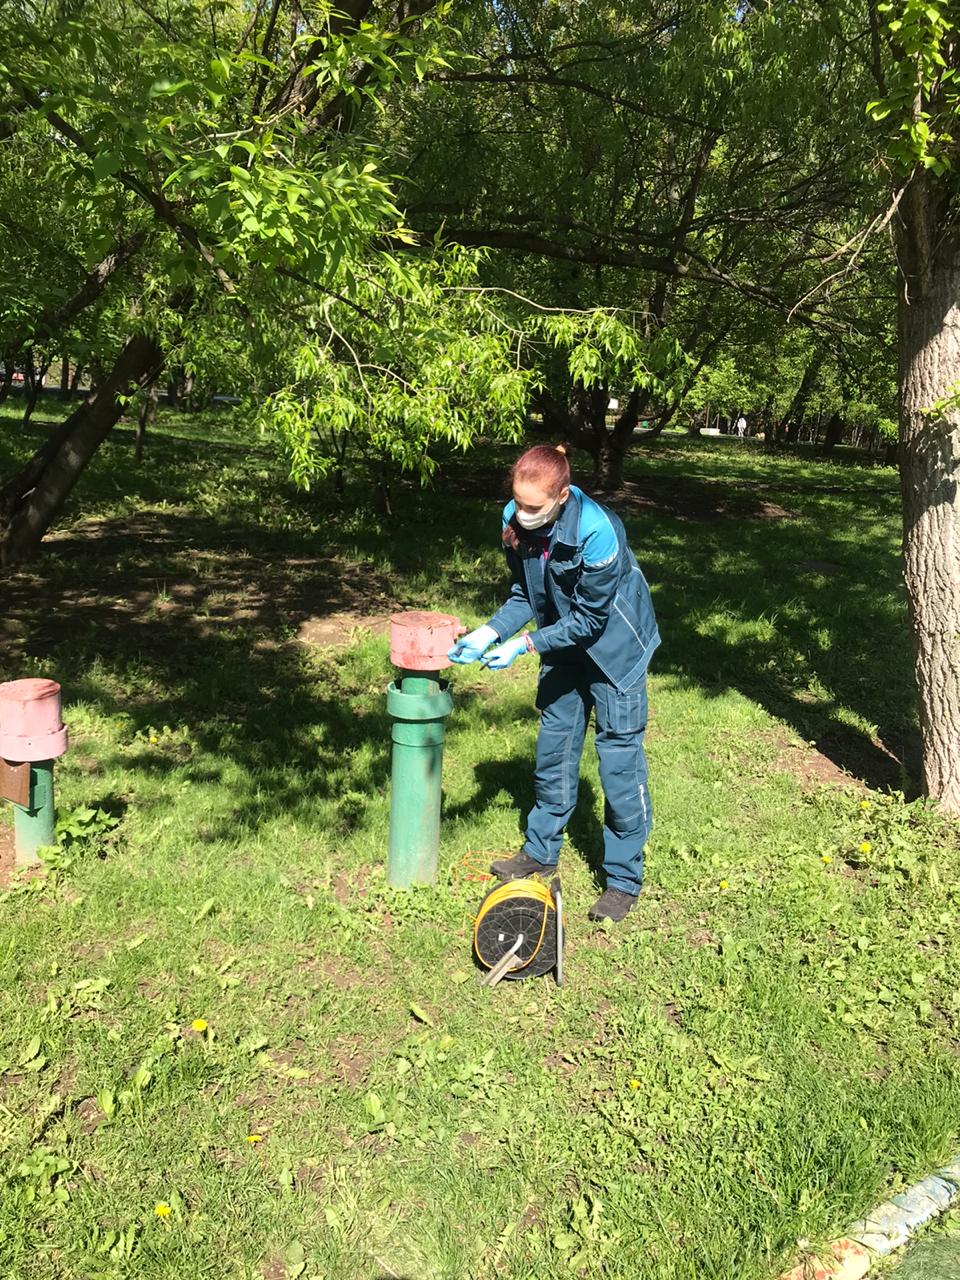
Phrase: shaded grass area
(765, 1049)
(935, 1256)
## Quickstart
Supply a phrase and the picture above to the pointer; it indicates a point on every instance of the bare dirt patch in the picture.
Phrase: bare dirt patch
(338, 629)
(844, 757)
(350, 1057)
(7, 857)
(696, 499)
(89, 1115)
(555, 1062)
(844, 760)
(166, 580)
(337, 974)
(702, 938)
(685, 497)
(811, 766)
(672, 1014)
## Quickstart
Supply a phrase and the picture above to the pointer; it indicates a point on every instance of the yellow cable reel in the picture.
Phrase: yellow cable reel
(518, 931)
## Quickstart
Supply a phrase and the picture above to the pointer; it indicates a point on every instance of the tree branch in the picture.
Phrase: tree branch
(552, 79)
(51, 322)
(157, 202)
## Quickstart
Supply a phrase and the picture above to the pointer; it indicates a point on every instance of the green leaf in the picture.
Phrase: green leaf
(30, 1052)
(294, 1259)
(421, 1015)
(163, 87)
(105, 164)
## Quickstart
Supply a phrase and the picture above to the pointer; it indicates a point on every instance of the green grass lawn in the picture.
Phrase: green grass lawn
(935, 1256)
(764, 1050)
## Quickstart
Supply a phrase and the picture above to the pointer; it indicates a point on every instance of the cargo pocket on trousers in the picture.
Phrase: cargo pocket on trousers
(626, 712)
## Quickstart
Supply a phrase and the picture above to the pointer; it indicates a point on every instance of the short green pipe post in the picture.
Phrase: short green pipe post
(418, 705)
(34, 825)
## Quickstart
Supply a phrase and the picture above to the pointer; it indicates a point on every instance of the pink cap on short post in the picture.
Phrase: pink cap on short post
(420, 641)
(30, 724)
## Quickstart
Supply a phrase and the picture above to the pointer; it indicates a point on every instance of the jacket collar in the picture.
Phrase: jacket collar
(566, 529)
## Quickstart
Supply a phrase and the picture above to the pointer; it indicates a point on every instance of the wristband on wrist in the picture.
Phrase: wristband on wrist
(528, 641)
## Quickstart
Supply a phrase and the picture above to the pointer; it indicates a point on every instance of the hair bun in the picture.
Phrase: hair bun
(563, 448)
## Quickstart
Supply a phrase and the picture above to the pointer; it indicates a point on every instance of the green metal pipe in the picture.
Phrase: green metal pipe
(418, 705)
(33, 826)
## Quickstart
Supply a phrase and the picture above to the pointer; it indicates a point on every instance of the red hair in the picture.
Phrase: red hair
(545, 465)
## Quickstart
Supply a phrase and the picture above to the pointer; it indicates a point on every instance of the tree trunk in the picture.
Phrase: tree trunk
(64, 378)
(613, 446)
(834, 435)
(33, 381)
(609, 471)
(7, 382)
(75, 382)
(31, 499)
(180, 389)
(929, 365)
(147, 409)
(798, 404)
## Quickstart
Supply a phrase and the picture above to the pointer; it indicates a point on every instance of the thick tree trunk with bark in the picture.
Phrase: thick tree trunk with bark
(790, 422)
(833, 435)
(32, 498)
(613, 446)
(929, 338)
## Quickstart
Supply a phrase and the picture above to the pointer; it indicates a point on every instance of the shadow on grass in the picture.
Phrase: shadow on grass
(787, 590)
(514, 777)
(789, 612)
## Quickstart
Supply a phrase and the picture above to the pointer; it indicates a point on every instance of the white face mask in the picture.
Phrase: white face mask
(539, 518)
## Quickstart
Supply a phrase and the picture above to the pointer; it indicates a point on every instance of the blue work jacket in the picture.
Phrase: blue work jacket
(583, 585)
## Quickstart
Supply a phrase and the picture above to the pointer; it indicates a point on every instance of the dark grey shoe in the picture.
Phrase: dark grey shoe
(612, 904)
(520, 866)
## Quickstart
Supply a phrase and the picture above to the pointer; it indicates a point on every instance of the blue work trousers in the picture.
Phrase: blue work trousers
(566, 695)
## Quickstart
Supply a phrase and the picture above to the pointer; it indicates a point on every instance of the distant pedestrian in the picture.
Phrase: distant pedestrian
(741, 427)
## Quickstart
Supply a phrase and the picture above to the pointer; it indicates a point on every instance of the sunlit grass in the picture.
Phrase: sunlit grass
(764, 1050)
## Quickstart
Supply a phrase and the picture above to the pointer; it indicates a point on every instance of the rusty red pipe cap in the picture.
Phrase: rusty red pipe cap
(420, 641)
(30, 724)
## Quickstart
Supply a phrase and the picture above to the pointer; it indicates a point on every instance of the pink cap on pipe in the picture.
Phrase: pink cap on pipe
(30, 724)
(420, 641)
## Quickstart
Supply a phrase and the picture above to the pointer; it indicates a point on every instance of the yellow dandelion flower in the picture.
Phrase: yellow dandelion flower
(162, 1209)
(865, 846)
(825, 857)
(154, 738)
(254, 1138)
(634, 1084)
(199, 1025)
(864, 804)
(724, 886)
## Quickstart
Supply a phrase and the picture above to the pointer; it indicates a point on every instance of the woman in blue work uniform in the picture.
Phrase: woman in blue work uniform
(572, 571)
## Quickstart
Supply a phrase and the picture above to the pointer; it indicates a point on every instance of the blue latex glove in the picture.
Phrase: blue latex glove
(470, 647)
(504, 654)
